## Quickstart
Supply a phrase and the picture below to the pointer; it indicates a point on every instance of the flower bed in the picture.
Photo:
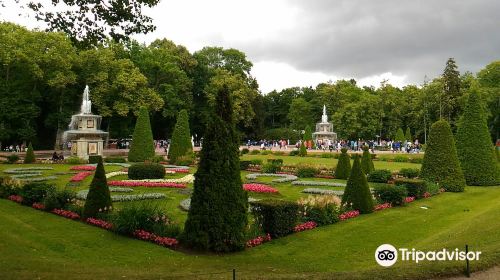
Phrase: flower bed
(409, 199)
(39, 179)
(324, 176)
(322, 191)
(126, 183)
(282, 177)
(318, 183)
(116, 173)
(122, 198)
(177, 170)
(259, 188)
(188, 179)
(383, 206)
(148, 236)
(305, 226)
(38, 206)
(24, 170)
(349, 215)
(258, 240)
(66, 214)
(120, 189)
(99, 223)
(83, 168)
(80, 176)
(16, 198)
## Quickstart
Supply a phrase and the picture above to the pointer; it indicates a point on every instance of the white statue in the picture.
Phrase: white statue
(86, 103)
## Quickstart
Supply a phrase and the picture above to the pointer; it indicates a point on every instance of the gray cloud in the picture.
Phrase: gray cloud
(363, 38)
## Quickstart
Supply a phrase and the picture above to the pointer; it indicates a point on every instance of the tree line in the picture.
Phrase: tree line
(42, 76)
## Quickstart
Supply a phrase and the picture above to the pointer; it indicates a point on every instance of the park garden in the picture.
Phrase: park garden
(265, 214)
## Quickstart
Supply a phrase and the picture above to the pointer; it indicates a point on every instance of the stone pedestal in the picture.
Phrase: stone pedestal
(83, 148)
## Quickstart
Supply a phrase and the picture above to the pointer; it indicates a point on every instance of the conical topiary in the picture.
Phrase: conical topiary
(357, 193)
(408, 136)
(400, 137)
(366, 161)
(474, 147)
(308, 136)
(441, 163)
(217, 218)
(142, 147)
(302, 149)
(181, 138)
(98, 197)
(343, 169)
(30, 155)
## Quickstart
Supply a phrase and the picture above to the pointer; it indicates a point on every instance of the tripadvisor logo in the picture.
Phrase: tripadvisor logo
(387, 255)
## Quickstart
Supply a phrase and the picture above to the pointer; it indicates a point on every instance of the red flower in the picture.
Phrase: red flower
(409, 199)
(99, 223)
(80, 176)
(349, 215)
(148, 236)
(38, 206)
(83, 168)
(259, 188)
(146, 184)
(66, 214)
(258, 240)
(427, 194)
(16, 198)
(178, 170)
(305, 226)
(382, 206)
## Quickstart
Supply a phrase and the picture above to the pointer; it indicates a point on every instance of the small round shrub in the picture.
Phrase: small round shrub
(256, 161)
(394, 195)
(306, 171)
(35, 192)
(415, 187)
(13, 158)
(58, 199)
(245, 164)
(266, 152)
(115, 160)
(141, 171)
(379, 176)
(94, 159)
(409, 172)
(255, 152)
(271, 167)
(294, 153)
(245, 151)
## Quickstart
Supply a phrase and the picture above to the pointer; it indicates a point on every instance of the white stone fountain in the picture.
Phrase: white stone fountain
(324, 129)
(84, 133)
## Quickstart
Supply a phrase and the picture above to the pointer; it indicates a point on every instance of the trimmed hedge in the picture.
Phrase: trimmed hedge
(98, 198)
(181, 138)
(30, 155)
(35, 192)
(366, 161)
(357, 193)
(277, 161)
(58, 199)
(395, 195)
(245, 164)
(409, 172)
(475, 149)
(115, 160)
(306, 171)
(271, 168)
(142, 147)
(94, 159)
(440, 159)
(343, 166)
(379, 176)
(276, 217)
(415, 187)
(141, 171)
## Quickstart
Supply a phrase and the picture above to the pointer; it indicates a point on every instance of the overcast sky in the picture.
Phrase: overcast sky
(303, 43)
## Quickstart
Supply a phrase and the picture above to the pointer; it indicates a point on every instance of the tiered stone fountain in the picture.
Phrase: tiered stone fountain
(84, 133)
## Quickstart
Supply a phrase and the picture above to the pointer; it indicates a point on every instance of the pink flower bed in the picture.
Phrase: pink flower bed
(99, 223)
(305, 226)
(178, 170)
(83, 168)
(285, 172)
(258, 240)
(259, 188)
(16, 198)
(324, 176)
(38, 206)
(427, 194)
(146, 184)
(253, 169)
(382, 206)
(409, 199)
(80, 176)
(349, 215)
(66, 214)
(148, 236)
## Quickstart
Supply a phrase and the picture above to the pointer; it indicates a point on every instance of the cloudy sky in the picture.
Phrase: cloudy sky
(303, 43)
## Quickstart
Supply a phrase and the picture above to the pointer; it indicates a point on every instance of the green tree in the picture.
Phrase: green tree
(489, 81)
(400, 137)
(30, 155)
(451, 92)
(366, 161)
(302, 149)
(357, 193)
(181, 138)
(408, 136)
(142, 147)
(217, 218)
(441, 162)
(98, 197)
(475, 149)
(300, 115)
(343, 169)
(308, 135)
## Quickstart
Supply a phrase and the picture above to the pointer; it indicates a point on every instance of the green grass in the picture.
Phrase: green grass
(35, 244)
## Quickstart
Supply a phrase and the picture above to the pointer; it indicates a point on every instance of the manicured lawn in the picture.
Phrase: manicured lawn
(37, 244)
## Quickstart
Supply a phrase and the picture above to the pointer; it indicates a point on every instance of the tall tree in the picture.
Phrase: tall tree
(142, 147)
(449, 108)
(300, 114)
(357, 193)
(181, 138)
(217, 218)
(475, 149)
(489, 81)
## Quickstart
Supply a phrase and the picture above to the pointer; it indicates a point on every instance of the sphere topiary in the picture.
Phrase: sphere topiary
(142, 147)
(30, 155)
(343, 166)
(357, 193)
(440, 162)
(366, 161)
(181, 138)
(98, 198)
(475, 149)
